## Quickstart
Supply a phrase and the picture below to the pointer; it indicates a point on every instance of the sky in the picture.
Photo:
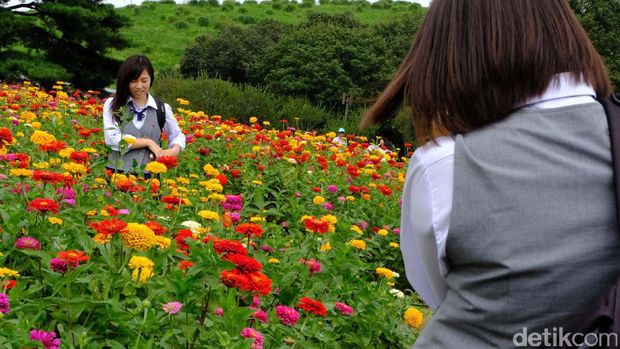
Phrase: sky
(121, 3)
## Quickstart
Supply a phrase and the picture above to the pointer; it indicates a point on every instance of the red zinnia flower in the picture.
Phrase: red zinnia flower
(185, 264)
(43, 205)
(157, 228)
(316, 225)
(181, 236)
(108, 227)
(81, 157)
(252, 282)
(6, 137)
(312, 306)
(47, 176)
(226, 247)
(169, 161)
(53, 146)
(250, 229)
(244, 264)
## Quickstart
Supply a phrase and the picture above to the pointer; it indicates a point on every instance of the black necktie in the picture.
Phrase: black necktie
(140, 114)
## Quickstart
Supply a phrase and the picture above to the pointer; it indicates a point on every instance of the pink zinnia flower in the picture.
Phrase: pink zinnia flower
(315, 266)
(396, 231)
(27, 243)
(253, 334)
(172, 308)
(61, 265)
(342, 199)
(329, 206)
(343, 308)
(287, 316)
(5, 305)
(47, 339)
(260, 315)
(219, 312)
(332, 189)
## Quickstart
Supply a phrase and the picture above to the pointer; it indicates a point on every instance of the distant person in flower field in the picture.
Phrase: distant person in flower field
(136, 117)
(508, 212)
(340, 139)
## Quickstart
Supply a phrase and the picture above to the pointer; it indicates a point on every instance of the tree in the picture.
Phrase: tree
(229, 55)
(49, 40)
(327, 56)
(601, 20)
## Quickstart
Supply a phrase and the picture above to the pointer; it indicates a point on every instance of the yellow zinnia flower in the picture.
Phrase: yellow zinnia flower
(359, 244)
(138, 236)
(6, 272)
(41, 137)
(156, 167)
(55, 220)
(414, 318)
(21, 172)
(386, 273)
(318, 200)
(209, 215)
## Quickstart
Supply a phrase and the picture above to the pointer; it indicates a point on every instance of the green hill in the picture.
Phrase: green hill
(162, 30)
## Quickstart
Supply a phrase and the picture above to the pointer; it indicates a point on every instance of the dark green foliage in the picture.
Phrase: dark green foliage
(246, 19)
(307, 3)
(289, 7)
(229, 55)
(601, 19)
(202, 21)
(330, 55)
(181, 25)
(70, 37)
(217, 97)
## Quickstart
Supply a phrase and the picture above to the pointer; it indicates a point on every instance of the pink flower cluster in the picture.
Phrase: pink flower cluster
(287, 316)
(47, 339)
(172, 308)
(251, 333)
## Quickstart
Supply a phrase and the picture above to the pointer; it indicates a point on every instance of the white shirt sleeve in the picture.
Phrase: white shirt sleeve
(111, 131)
(172, 129)
(427, 203)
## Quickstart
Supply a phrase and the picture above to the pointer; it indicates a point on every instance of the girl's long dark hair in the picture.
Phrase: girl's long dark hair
(130, 70)
(473, 61)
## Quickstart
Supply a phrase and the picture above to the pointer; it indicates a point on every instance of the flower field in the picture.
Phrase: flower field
(256, 236)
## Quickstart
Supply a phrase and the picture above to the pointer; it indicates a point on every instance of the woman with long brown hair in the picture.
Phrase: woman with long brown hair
(508, 218)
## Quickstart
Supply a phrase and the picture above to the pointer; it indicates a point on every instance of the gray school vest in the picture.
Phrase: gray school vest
(151, 130)
(533, 237)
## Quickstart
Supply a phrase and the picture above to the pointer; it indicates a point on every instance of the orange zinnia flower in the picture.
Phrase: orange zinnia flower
(72, 256)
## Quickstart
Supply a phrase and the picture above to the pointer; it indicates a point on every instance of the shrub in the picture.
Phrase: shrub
(289, 7)
(202, 21)
(181, 25)
(246, 19)
(243, 10)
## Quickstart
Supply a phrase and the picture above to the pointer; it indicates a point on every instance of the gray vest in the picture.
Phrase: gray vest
(151, 130)
(533, 236)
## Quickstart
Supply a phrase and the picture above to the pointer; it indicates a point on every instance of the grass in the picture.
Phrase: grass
(154, 28)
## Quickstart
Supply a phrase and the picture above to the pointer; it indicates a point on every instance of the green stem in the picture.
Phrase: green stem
(146, 311)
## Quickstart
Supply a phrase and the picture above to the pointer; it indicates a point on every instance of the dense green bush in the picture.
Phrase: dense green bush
(202, 21)
(181, 25)
(16, 67)
(218, 97)
(230, 54)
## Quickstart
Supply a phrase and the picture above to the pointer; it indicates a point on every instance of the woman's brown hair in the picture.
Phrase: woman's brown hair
(473, 61)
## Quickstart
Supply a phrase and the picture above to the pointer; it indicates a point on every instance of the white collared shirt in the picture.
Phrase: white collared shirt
(112, 132)
(427, 196)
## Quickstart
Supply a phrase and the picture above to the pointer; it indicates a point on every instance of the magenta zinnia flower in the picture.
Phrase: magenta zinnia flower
(253, 334)
(260, 315)
(172, 308)
(332, 189)
(5, 305)
(48, 339)
(60, 265)
(233, 203)
(27, 243)
(343, 308)
(287, 316)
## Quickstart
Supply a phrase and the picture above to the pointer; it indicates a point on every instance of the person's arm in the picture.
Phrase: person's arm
(112, 133)
(427, 201)
(176, 138)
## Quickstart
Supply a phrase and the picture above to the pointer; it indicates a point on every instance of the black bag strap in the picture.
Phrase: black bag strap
(161, 114)
(612, 110)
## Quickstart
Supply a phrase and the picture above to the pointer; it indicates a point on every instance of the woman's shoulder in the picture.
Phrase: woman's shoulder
(434, 151)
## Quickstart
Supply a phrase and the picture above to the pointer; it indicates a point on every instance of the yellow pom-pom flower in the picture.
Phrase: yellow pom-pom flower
(156, 167)
(359, 244)
(413, 318)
